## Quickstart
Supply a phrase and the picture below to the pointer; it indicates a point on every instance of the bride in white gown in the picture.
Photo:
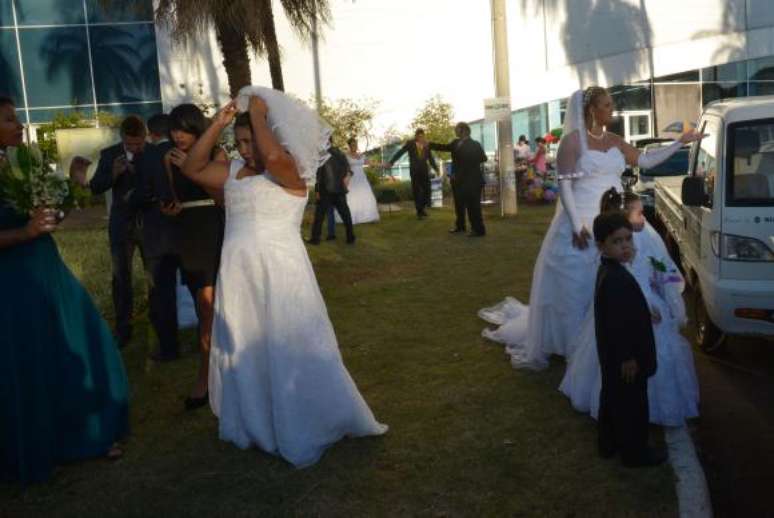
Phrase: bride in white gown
(590, 161)
(277, 380)
(360, 198)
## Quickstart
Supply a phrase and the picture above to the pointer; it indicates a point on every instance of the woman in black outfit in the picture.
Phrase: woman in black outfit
(199, 232)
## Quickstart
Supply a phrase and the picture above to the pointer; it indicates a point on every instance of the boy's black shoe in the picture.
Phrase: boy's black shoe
(648, 458)
(330, 238)
(313, 241)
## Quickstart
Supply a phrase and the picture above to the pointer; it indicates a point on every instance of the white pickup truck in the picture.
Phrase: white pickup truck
(719, 220)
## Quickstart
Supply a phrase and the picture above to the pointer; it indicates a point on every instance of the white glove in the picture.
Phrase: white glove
(568, 202)
(654, 157)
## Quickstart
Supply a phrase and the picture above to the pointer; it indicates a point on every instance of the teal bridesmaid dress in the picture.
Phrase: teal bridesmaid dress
(63, 387)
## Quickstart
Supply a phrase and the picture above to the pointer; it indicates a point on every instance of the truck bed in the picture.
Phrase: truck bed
(669, 203)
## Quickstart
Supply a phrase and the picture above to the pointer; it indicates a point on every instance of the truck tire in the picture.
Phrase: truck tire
(708, 337)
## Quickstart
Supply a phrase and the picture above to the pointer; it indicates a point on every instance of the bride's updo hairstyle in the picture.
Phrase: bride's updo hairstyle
(591, 96)
(612, 200)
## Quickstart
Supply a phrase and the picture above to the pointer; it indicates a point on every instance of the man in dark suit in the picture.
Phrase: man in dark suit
(331, 190)
(153, 197)
(468, 180)
(117, 171)
(419, 158)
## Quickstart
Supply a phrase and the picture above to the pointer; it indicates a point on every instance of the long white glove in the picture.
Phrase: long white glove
(654, 157)
(568, 202)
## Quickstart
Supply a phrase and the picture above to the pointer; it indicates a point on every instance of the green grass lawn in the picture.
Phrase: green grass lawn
(469, 436)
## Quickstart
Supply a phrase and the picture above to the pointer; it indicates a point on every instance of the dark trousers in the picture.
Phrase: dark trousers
(468, 200)
(161, 272)
(420, 187)
(331, 221)
(623, 415)
(339, 202)
(122, 249)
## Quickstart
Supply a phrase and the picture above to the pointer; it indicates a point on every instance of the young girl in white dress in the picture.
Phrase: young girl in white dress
(673, 392)
(277, 380)
(590, 161)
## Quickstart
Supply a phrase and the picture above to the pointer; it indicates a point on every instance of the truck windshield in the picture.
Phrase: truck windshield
(675, 165)
(751, 163)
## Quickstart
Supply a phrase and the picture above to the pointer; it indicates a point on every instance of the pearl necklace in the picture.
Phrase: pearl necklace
(596, 137)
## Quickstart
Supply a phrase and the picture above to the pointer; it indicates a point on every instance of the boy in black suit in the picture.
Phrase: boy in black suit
(625, 345)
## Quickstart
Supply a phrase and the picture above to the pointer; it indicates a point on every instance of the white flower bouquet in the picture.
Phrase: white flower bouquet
(28, 182)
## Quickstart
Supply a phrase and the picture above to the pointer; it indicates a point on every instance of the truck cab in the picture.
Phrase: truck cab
(719, 220)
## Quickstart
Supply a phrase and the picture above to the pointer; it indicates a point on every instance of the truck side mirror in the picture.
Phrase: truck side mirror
(693, 192)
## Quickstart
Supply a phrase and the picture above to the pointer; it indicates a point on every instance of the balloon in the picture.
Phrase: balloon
(537, 182)
(549, 195)
(537, 193)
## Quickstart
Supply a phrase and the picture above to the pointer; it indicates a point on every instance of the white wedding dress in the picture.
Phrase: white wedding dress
(673, 391)
(563, 278)
(360, 198)
(277, 380)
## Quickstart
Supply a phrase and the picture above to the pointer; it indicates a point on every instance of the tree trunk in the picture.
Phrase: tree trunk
(233, 46)
(272, 47)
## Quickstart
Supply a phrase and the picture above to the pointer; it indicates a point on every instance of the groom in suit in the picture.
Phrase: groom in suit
(153, 199)
(468, 180)
(419, 158)
(117, 171)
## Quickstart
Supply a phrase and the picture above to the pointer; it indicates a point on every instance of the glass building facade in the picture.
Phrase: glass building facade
(59, 56)
(736, 79)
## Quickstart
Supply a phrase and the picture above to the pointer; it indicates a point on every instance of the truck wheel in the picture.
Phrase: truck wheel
(708, 337)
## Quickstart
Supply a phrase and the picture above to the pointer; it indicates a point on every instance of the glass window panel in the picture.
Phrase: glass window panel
(714, 91)
(520, 124)
(752, 163)
(761, 88)
(729, 72)
(134, 11)
(630, 97)
(639, 125)
(56, 66)
(144, 110)
(41, 116)
(706, 158)
(125, 63)
(762, 69)
(692, 76)
(6, 16)
(10, 79)
(48, 12)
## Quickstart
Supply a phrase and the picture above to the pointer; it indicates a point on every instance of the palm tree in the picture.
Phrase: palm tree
(238, 23)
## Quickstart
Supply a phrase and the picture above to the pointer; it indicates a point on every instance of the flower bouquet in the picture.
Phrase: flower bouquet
(28, 182)
(668, 284)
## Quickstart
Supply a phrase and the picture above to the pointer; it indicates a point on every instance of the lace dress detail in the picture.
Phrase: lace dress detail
(277, 380)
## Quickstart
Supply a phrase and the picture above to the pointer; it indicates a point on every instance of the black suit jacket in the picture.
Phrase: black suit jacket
(622, 321)
(158, 230)
(123, 211)
(467, 157)
(330, 176)
(418, 163)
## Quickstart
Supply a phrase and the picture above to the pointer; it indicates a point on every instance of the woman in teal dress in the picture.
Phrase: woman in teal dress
(63, 387)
